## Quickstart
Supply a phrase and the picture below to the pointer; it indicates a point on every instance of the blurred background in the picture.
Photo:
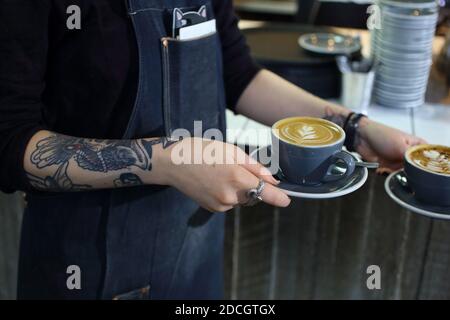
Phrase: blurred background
(320, 249)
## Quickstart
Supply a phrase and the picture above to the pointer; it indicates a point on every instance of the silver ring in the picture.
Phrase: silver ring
(254, 195)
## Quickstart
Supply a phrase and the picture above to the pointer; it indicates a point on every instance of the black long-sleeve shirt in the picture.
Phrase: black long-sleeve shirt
(81, 82)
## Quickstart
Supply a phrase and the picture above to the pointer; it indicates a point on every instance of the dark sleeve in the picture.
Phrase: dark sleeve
(23, 54)
(239, 67)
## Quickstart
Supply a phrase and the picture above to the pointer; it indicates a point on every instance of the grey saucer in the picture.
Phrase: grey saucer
(397, 188)
(322, 191)
(320, 43)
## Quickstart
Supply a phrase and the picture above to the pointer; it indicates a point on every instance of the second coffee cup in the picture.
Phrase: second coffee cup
(428, 170)
(309, 150)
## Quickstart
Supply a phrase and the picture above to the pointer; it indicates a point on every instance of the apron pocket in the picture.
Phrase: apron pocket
(191, 83)
(137, 294)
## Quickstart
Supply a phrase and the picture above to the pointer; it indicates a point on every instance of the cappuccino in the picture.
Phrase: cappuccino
(304, 131)
(431, 158)
(307, 148)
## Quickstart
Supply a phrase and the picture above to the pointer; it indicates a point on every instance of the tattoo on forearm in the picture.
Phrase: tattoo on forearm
(91, 154)
(128, 180)
(60, 181)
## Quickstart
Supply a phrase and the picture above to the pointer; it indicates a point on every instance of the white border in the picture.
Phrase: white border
(405, 205)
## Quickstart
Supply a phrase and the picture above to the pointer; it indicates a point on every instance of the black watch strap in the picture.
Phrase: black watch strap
(351, 125)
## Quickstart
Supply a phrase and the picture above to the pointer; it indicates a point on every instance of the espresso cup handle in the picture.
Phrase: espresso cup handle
(344, 157)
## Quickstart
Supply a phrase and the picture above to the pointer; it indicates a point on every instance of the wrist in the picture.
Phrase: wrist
(336, 114)
(160, 168)
(364, 123)
(354, 130)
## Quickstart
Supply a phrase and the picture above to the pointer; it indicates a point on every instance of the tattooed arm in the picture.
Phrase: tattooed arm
(269, 98)
(56, 162)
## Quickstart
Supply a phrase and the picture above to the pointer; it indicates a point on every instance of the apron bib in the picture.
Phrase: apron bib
(144, 242)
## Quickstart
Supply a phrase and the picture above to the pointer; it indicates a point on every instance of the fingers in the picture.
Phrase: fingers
(412, 140)
(270, 194)
(261, 172)
(234, 182)
(257, 169)
(218, 208)
(388, 167)
(274, 196)
(417, 141)
(382, 171)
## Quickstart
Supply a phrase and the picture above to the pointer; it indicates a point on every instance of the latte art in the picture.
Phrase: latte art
(308, 131)
(432, 158)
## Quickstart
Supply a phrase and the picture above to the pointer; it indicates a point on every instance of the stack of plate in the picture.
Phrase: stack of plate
(403, 51)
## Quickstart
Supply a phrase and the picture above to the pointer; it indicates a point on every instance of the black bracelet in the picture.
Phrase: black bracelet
(351, 125)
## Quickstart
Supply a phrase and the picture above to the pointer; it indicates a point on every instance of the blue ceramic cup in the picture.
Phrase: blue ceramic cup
(429, 186)
(310, 162)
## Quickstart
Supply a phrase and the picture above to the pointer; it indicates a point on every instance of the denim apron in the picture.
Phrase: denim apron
(145, 242)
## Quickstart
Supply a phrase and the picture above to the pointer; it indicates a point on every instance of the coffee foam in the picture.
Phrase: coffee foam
(309, 132)
(432, 158)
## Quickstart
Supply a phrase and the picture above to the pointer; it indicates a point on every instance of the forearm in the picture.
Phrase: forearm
(269, 98)
(55, 162)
